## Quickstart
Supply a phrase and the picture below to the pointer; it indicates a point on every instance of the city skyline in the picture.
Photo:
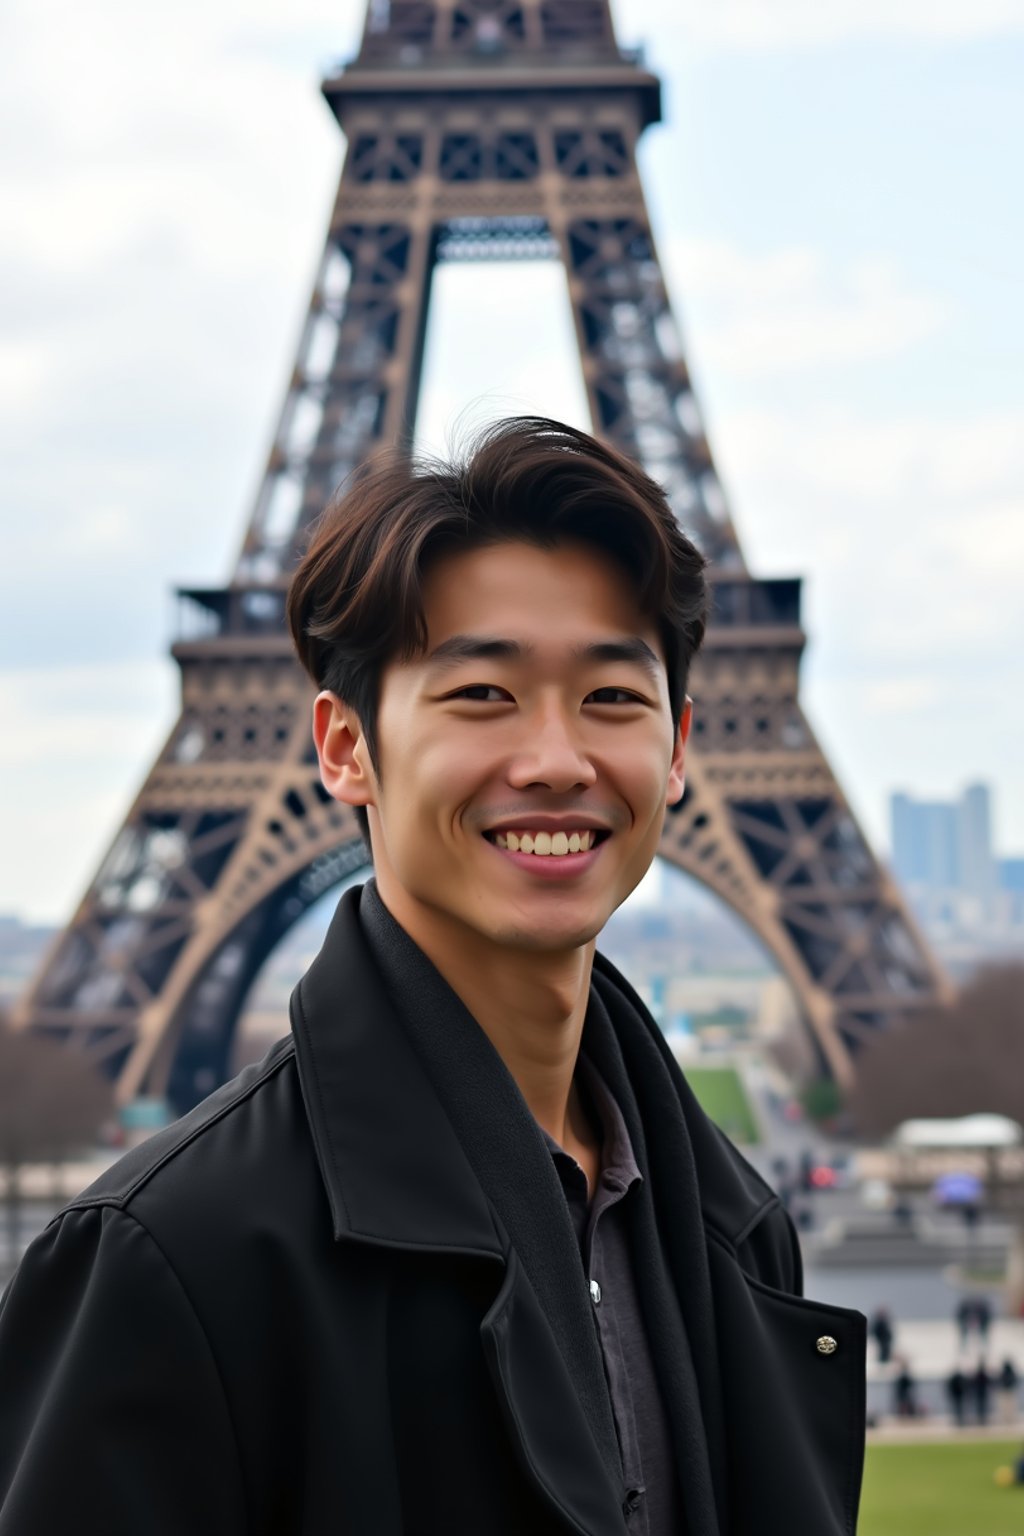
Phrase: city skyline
(848, 311)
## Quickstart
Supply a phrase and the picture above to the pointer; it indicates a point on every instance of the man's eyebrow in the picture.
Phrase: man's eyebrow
(633, 650)
(459, 648)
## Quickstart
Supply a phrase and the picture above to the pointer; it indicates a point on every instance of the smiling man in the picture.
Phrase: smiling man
(462, 1255)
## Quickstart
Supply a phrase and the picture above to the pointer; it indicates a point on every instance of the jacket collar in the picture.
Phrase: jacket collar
(394, 1170)
(393, 1167)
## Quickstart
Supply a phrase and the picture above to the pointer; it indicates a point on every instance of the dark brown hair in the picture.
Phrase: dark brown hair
(356, 600)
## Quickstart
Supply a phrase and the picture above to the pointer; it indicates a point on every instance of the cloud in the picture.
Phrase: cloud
(165, 182)
(900, 695)
(99, 711)
(788, 24)
(925, 515)
(25, 367)
(907, 525)
(932, 467)
(909, 534)
(787, 311)
(77, 740)
(148, 232)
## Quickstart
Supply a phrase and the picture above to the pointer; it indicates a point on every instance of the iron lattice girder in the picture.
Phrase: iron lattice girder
(503, 156)
(508, 155)
(416, 31)
(523, 145)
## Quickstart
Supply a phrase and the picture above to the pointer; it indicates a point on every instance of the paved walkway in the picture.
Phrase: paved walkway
(941, 1429)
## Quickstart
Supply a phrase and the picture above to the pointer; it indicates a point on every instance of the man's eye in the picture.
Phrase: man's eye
(613, 696)
(482, 693)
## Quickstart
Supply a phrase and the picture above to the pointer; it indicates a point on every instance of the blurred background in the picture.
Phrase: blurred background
(834, 195)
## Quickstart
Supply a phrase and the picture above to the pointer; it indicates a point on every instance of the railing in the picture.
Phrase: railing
(206, 613)
(739, 604)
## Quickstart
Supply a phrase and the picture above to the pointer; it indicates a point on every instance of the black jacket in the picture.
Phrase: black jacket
(299, 1312)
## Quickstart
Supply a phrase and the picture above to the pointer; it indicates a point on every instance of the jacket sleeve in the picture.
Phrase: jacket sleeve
(113, 1419)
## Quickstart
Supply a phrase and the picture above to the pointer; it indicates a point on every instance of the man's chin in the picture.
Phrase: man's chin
(548, 938)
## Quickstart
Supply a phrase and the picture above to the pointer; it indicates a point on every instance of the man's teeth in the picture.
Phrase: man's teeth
(546, 843)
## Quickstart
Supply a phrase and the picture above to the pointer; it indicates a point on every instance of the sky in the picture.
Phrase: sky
(835, 196)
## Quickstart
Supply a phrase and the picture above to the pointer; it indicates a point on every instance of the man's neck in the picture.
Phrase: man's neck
(530, 1005)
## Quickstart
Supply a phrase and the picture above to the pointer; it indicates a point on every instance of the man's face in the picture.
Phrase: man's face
(537, 718)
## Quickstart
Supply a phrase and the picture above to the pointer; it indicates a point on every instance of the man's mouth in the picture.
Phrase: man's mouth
(545, 844)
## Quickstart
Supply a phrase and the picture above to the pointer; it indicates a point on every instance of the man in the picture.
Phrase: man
(462, 1255)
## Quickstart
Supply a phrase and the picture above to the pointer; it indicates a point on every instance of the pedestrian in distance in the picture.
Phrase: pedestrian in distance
(903, 1213)
(980, 1385)
(904, 1392)
(462, 1254)
(883, 1333)
(973, 1317)
(956, 1391)
(1007, 1384)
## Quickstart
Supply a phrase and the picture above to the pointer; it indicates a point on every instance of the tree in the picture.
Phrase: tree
(822, 1100)
(52, 1104)
(960, 1060)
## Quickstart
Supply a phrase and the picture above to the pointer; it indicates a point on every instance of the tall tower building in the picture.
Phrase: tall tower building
(942, 854)
(926, 842)
(978, 873)
(475, 129)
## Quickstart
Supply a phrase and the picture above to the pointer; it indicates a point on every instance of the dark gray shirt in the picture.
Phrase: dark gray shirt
(651, 1495)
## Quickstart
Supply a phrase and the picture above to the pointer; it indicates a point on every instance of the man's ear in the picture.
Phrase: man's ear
(345, 768)
(677, 775)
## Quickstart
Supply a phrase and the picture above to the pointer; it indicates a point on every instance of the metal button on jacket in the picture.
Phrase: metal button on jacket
(826, 1345)
(595, 1292)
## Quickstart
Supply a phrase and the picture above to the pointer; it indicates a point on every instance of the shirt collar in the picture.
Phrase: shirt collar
(618, 1161)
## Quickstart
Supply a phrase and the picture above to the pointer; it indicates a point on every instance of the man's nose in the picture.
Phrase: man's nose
(551, 753)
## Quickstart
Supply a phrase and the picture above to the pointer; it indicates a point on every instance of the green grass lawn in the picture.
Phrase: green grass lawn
(722, 1097)
(945, 1489)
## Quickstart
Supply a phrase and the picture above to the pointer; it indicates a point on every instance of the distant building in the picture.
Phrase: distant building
(1011, 876)
(925, 843)
(978, 876)
(1010, 873)
(942, 855)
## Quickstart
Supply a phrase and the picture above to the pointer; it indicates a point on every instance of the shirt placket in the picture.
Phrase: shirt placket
(634, 1506)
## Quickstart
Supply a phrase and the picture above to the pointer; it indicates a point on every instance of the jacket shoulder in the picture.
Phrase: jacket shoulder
(190, 1136)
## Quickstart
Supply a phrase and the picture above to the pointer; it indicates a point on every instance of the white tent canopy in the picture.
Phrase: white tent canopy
(971, 1132)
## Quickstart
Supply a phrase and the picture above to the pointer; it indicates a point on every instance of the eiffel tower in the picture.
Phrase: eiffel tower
(476, 129)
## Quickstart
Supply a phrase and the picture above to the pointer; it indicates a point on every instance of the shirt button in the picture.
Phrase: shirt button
(595, 1292)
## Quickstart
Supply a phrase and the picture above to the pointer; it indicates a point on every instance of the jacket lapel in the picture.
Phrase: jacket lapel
(397, 1174)
(391, 1163)
(542, 1410)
